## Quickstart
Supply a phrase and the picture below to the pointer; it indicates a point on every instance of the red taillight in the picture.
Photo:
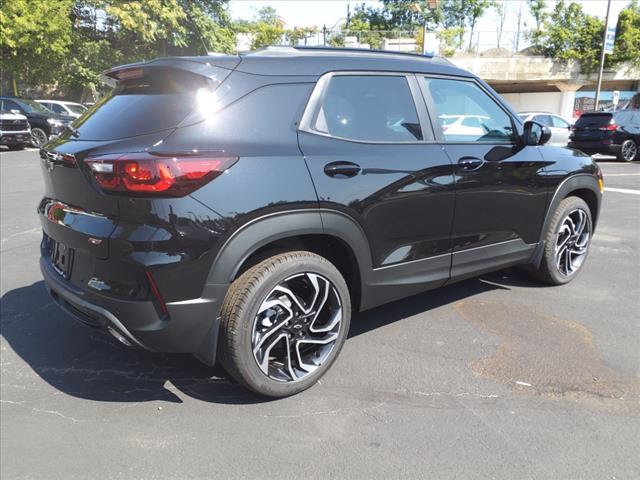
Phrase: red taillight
(610, 127)
(153, 174)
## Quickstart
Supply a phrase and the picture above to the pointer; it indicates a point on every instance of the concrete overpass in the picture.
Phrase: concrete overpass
(540, 83)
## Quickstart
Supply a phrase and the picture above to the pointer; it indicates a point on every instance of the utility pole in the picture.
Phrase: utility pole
(417, 9)
(324, 35)
(602, 54)
(348, 16)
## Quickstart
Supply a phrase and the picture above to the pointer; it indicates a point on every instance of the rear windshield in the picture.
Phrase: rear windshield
(593, 120)
(159, 100)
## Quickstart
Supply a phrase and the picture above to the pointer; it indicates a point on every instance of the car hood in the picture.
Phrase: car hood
(12, 116)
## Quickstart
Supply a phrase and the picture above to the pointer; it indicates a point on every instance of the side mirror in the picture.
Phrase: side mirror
(535, 133)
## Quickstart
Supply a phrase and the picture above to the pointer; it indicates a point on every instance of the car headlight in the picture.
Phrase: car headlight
(54, 123)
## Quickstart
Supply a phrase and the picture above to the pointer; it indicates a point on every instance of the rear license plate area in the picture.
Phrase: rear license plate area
(61, 257)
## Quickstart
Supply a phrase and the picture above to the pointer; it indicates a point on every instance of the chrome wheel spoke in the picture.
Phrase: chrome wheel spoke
(263, 362)
(560, 256)
(293, 374)
(572, 242)
(331, 324)
(576, 250)
(296, 327)
(260, 338)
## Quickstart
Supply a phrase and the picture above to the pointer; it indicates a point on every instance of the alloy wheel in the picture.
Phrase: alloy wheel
(296, 327)
(629, 150)
(572, 242)
(38, 137)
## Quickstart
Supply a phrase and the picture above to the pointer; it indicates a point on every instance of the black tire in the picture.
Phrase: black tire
(239, 319)
(628, 151)
(549, 272)
(16, 146)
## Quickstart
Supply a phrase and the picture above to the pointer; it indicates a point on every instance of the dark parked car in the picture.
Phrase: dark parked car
(242, 207)
(45, 124)
(608, 133)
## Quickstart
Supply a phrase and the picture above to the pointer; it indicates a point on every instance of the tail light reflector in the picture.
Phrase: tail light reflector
(156, 294)
(600, 177)
(155, 174)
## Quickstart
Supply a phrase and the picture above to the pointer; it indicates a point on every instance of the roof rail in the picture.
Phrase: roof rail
(289, 50)
(362, 50)
(271, 49)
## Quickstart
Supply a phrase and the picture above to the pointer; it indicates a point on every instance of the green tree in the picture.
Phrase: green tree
(571, 34)
(627, 45)
(368, 25)
(473, 10)
(267, 29)
(268, 15)
(538, 10)
(402, 15)
(34, 39)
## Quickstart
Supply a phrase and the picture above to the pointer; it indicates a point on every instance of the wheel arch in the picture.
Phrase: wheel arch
(332, 234)
(584, 186)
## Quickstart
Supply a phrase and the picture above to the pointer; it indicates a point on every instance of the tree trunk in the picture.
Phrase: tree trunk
(473, 26)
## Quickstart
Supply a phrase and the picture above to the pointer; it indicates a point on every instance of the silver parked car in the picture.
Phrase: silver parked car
(559, 126)
(72, 109)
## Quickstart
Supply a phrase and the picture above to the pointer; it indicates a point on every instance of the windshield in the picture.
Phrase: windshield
(34, 107)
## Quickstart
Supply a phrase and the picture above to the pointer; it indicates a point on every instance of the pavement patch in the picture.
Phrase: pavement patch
(545, 355)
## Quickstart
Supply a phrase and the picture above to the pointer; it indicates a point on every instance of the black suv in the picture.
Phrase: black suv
(608, 133)
(240, 208)
(45, 124)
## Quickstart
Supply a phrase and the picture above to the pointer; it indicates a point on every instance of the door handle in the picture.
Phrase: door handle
(342, 169)
(470, 163)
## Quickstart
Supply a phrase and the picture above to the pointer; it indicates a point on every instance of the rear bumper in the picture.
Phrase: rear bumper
(190, 327)
(596, 147)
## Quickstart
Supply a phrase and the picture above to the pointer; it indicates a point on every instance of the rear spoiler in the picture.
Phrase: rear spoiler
(215, 67)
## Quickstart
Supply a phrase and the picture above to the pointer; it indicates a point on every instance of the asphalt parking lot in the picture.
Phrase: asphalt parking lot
(496, 377)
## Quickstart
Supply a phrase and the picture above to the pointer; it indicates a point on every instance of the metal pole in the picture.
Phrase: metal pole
(604, 39)
(324, 35)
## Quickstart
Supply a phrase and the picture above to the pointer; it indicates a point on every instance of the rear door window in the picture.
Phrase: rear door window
(483, 120)
(559, 122)
(158, 100)
(368, 108)
(56, 108)
(544, 120)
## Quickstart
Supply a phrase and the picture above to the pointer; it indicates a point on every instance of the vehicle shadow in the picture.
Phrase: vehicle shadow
(84, 363)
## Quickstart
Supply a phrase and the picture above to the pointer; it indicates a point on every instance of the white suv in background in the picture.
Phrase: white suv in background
(560, 127)
(15, 131)
(62, 107)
